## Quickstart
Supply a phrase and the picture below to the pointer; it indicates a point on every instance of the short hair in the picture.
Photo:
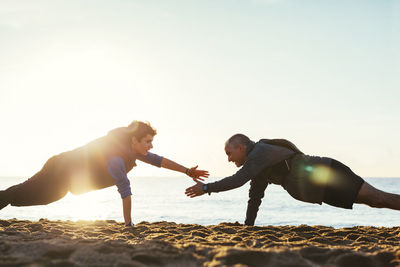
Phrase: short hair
(237, 139)
(141, 129)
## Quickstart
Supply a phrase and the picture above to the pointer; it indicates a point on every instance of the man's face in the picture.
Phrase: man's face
(236, 154)
(143, 146)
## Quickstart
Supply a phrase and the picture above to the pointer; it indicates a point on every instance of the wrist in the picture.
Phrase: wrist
(129, 224)
(206, 189)
(187, 171)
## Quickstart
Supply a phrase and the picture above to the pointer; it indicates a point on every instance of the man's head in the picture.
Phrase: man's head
(142, 135)
(235, 149)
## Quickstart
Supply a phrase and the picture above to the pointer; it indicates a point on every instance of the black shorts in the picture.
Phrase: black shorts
(343, 187)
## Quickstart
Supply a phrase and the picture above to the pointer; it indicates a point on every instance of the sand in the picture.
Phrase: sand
(108, 243)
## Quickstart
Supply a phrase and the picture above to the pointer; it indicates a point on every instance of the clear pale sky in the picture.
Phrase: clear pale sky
(323, 74)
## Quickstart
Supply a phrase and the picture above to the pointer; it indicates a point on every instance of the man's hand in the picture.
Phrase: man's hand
(197, 174)
(129, 224)
(195, 191)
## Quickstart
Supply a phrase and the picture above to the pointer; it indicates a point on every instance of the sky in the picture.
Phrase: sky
(322, 74)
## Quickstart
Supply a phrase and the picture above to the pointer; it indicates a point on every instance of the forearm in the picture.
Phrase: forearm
(256, 194)
(171, 165)
(227, 183)
(242, 176)
(252, 210)
(127, 207)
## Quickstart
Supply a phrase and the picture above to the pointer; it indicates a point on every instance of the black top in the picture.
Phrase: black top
(260, 157)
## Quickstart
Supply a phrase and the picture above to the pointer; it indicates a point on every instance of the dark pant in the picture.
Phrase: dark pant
(50, 184)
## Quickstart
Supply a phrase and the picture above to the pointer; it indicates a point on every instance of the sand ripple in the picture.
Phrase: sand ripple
(108, 243)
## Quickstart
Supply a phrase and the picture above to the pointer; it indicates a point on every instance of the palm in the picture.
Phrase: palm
(197, 174)
(195, 190)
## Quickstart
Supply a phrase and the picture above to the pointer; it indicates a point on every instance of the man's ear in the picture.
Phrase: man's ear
(241, 147)
(134, 140)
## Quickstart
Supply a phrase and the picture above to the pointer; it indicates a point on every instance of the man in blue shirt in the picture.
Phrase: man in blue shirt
(101, 163)
(306, 178)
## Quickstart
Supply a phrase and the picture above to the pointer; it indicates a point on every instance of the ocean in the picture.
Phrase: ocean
(163, 199)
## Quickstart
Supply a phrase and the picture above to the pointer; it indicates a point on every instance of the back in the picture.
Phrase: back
(87, 165)
(283, 143)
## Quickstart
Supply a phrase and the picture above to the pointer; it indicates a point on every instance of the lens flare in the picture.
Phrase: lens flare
(320, 174)
(80, 182)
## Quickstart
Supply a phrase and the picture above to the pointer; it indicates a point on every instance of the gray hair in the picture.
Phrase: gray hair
(237, 139)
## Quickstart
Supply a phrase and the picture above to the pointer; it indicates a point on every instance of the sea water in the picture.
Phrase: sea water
(163, 199)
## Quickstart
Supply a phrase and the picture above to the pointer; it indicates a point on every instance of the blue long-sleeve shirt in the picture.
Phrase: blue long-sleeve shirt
(116, 168)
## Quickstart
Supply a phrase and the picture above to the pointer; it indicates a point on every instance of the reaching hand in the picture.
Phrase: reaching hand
(195, 190)
(197, 174)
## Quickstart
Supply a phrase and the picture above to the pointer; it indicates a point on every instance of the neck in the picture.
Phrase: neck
(133, 150)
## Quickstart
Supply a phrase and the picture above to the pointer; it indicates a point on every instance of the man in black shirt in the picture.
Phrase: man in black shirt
(306, 178)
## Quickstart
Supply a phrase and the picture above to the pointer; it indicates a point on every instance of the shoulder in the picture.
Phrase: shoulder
(116, 160)
(258, 148)
(116, 163)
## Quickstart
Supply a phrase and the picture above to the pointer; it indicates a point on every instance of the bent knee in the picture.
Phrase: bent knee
(370, 196)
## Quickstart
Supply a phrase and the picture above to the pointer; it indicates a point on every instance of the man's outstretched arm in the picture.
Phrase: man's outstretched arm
(225, 184)
(191, 172)
(163, 162)
(238, 179)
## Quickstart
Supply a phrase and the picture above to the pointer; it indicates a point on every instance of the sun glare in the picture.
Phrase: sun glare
(90, 206)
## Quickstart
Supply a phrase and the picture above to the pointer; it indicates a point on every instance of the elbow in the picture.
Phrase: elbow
(239, 184)
(162, 163)
(126, 197)
(125, 194)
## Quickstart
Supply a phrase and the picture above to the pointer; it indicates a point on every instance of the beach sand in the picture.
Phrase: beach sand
(108, 243)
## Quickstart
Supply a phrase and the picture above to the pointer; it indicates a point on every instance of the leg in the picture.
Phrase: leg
(376, 198)
(4, 201)
(46, 186)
